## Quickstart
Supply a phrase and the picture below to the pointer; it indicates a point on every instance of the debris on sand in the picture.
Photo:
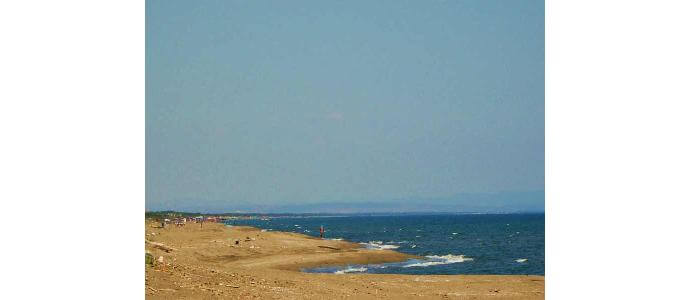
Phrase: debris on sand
(329, 247)
(160, 246)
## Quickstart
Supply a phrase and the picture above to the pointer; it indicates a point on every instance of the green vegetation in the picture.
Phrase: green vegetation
(171, 214)
(149, 259)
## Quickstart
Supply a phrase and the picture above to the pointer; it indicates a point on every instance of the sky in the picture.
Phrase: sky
(281, 102)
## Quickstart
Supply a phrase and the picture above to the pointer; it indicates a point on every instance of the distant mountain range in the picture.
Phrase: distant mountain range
(505, 202)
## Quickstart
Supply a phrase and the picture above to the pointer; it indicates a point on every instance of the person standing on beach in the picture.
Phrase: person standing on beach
(321, 231)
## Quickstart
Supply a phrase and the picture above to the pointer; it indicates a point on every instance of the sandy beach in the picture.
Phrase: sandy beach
(192, 262)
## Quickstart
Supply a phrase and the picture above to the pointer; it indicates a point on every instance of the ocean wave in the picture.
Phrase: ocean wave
(338, 239)
(384, 247)
(434, 260)
(378, 245)
(521, 260)
(352, 270)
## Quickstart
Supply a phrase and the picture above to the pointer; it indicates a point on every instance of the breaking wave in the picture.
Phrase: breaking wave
(378, 245)
(351, 270)
(433, 260)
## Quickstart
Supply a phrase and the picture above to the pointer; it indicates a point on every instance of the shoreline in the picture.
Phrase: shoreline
(220, 260)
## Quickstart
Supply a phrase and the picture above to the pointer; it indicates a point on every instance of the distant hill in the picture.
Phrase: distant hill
(484, 203)
(506, 202)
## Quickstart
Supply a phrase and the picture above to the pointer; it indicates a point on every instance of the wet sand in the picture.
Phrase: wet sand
(205, 263)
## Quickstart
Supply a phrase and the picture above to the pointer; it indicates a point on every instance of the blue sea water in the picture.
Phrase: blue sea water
(449, 244)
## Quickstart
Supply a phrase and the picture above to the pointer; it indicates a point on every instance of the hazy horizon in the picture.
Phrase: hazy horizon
(506, 202)
(274, 104)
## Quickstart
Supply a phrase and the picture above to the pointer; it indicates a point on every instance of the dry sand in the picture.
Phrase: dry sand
(205, 263)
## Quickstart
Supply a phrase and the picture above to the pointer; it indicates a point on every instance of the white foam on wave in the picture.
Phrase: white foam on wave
(434, 260)
(383, 247)
(521, 260)
(378, 245)
(352, 270)
(338, 239)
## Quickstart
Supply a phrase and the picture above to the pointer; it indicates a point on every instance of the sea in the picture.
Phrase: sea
(449, 244)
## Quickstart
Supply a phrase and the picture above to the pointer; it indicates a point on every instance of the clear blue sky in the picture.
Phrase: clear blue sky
(278, 102)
